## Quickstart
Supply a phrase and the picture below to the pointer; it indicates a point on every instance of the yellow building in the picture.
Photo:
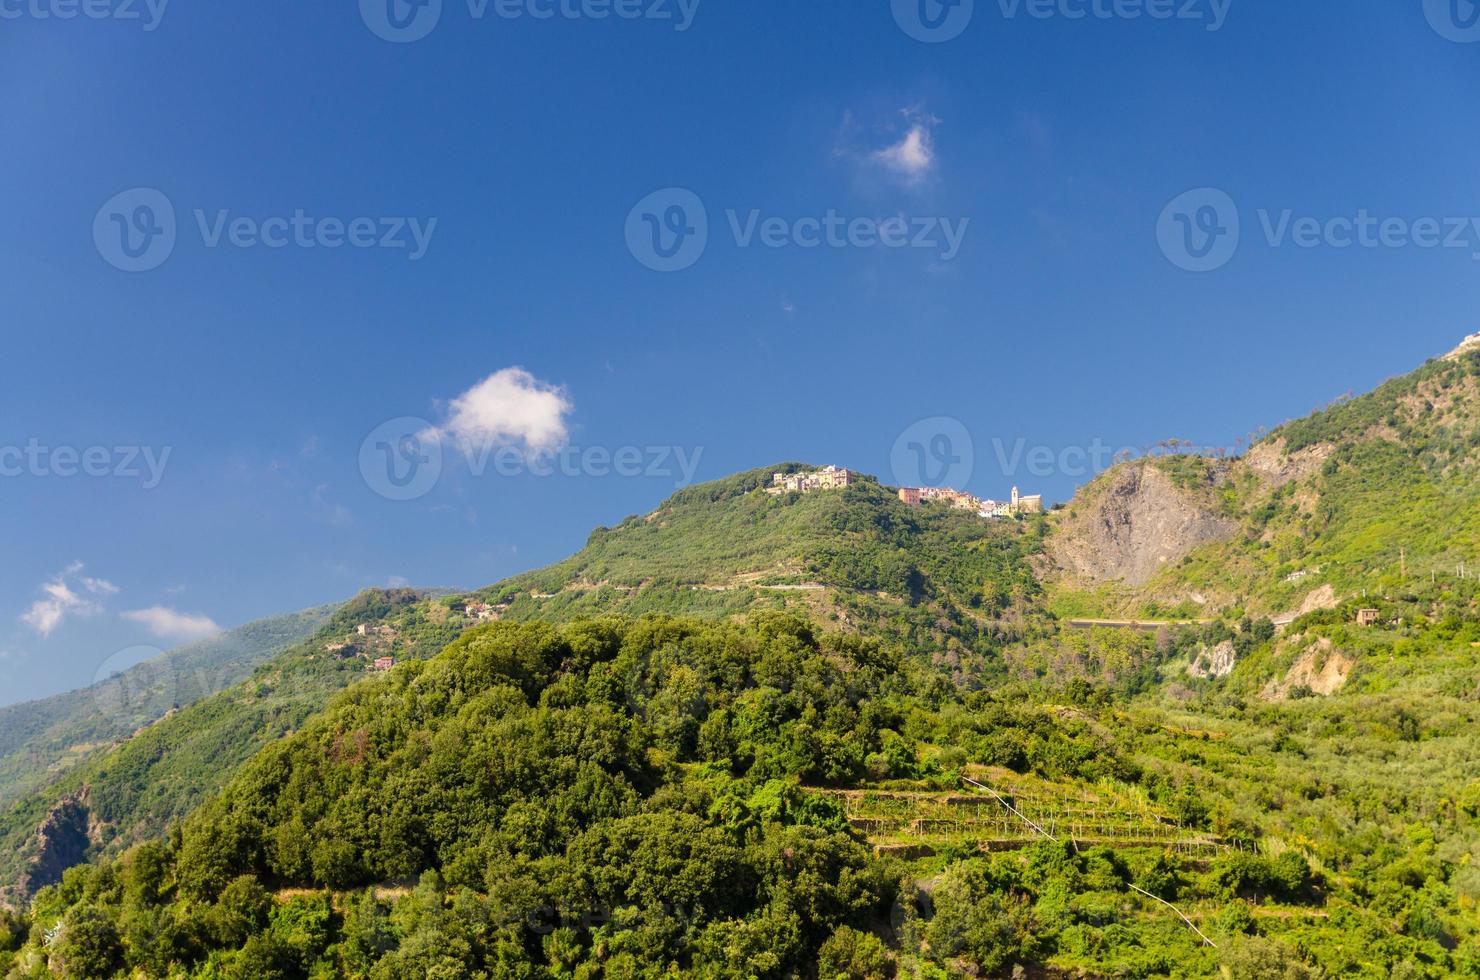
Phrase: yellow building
(827, 478)
(1026, 503)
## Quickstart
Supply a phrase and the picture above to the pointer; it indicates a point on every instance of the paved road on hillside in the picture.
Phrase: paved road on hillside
(1150, 625)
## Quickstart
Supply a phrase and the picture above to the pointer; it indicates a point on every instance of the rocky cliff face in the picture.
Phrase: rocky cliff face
(1320, 669)
(1132, 524)
(1278, 467)
(62, 841)
(1218, 661)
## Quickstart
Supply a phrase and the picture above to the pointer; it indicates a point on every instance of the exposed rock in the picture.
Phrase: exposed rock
(1270, 460)
(62, 841)
(1470, 343)
(1217, 662)
(1320, 669)
(1322, 598)
(1132, 523)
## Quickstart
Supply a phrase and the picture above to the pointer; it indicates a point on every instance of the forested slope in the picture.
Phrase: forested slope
(946, 587)
(634, 798)
(770, 784)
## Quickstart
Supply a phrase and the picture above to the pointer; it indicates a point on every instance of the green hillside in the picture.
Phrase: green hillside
(938, 582)
(941, 585)
(41, 740)
(828, 735)
(676, 797)
(1370, 504)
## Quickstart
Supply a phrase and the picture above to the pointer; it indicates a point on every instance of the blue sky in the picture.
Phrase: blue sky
(521, 313)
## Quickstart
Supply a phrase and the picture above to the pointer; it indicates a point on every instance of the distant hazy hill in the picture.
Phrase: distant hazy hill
(41, 739)
(132, 791)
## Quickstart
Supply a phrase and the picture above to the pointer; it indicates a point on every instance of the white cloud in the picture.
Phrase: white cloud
(510, 407)
(899, 150)
(171, 624)
(60, 599)
(912, 157)
(99, 586)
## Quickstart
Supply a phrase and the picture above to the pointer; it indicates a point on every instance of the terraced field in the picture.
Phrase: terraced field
(996, 809)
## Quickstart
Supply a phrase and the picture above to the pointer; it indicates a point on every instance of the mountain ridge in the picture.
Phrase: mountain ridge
(1404, 450)
(729, 737)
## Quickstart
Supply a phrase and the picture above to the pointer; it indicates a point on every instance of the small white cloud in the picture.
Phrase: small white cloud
(60, 600)
(912, 157)
(99, 586)
(907, 155)
(397, 582)
(171, 624)
(510, 408)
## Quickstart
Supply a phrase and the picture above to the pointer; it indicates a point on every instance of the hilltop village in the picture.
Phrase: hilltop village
(836, 478)
(375, 643)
